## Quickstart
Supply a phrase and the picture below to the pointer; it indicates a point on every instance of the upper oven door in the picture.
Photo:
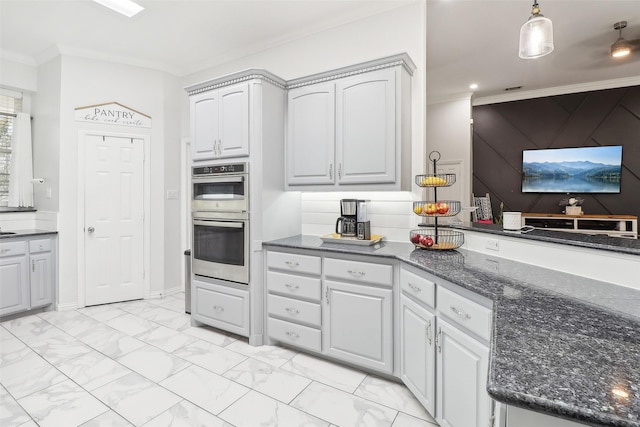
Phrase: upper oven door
(227, 193)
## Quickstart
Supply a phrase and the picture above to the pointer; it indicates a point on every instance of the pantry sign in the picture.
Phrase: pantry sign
(113, 113)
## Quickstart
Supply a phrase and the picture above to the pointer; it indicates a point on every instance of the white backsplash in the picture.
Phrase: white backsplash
(390, 212)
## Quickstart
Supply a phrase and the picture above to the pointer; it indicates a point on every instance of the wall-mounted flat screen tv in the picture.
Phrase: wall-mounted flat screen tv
(572, 170)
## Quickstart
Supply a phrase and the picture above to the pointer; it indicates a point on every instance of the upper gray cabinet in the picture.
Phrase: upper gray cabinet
(224, 112)
(350, 129)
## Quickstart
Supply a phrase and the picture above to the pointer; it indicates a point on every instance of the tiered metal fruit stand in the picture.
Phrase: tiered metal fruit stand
(431, 236)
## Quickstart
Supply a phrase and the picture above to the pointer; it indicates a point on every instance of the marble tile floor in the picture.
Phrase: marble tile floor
(141, 363)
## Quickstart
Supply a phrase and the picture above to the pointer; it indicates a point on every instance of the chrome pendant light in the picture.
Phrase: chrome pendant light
(621, 47)
(536, 35)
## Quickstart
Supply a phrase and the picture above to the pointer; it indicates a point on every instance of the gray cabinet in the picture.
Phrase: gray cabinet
(350, 129)
(220, 123)
(27, 274)
(357, 324)
(223, 307)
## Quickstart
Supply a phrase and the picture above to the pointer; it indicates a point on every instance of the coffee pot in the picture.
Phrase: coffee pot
(346, 223)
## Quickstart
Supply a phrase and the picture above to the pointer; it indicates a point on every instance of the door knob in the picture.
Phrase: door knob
(91, 229)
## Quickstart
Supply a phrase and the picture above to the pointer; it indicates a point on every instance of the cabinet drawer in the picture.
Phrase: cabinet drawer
(462, 311)
(294, 310)
(222, 307)
(422, 289)
(359, 271)
(296, 286)
(40, 245)
(13, 248)
(298, 335)
(294, 262)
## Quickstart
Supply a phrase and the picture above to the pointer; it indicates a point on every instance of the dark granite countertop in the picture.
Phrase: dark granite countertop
(25, 233)
(593, 241)
(561, 344)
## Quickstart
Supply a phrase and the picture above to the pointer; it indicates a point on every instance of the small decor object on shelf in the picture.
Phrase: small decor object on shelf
(572, 205)
(434, 237)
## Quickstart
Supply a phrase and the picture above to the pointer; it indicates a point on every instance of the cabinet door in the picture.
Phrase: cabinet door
(366, 128)
(233, 130)
(204, 125)
(461, 379)
(417, 367)
(14, 285)
(311, 135)
(41, 279)
(357, 325)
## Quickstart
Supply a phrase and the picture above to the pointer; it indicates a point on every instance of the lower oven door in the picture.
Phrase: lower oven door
(221, 249)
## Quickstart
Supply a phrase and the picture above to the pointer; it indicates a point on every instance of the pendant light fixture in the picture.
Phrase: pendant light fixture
(621, 47)
(536, 35)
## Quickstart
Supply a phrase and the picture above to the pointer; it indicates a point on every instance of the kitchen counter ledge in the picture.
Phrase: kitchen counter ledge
(561, 344)
(25, 233)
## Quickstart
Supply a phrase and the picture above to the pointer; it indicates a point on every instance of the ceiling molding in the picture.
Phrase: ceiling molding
(454, 97)
(558, 90)
(16, 57)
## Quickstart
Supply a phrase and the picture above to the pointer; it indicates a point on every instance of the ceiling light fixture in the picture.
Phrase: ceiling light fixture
(125, 7)
(473, 86)
(536, 35)
(621, 47)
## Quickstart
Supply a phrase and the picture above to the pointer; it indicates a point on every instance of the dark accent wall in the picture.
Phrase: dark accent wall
(605, 117)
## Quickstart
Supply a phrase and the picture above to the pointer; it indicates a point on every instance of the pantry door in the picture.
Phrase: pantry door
(114, 219)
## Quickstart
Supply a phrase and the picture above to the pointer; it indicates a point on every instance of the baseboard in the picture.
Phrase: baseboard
(66, 306)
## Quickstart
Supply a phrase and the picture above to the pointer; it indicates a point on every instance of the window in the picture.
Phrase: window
(9, 106)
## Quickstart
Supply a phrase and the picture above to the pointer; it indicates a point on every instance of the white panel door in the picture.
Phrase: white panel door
(311, 135)
(366, 128)
(113, 219)
(461, 394)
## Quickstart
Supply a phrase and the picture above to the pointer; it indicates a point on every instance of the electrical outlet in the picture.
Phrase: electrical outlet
(492, 244)
(172, 194)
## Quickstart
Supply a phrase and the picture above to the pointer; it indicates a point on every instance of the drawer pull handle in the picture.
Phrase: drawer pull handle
(292, 335)
(439, 340)
(292, 264)
(428, 332)
(292, 310)
(4, 251)
(460, 313)
(415, 288)
(218, 308)
(356, 273)
(292, 286)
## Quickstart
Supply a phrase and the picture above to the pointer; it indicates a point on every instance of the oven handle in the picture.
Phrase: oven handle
(217, 180)
(218, 223)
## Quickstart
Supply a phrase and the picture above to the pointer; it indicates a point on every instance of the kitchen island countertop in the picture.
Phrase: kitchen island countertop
(561, 344)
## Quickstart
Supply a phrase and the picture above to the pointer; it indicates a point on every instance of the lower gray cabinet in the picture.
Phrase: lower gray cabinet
(358, 324)
(417, 365)
(220, 306)
(27, 274)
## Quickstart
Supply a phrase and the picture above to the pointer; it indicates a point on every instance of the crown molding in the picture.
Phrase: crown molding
(402, 60)
(230, 79)
(558, 90)
(16, 57)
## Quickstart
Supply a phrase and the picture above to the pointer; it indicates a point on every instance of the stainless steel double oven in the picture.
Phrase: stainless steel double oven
(220, 211)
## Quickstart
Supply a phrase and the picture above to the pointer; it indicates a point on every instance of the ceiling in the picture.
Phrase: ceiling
(467, 40)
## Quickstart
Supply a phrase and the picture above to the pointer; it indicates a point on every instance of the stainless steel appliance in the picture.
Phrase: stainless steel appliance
(363, 225)
(220, 211)
(220, 188)
(354, 219)
(346, 223)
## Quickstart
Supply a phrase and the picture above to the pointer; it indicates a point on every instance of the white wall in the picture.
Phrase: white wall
(86, 82)
(18, 74)
(399, 30)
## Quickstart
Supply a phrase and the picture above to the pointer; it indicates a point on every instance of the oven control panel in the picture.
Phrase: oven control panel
(219, 169)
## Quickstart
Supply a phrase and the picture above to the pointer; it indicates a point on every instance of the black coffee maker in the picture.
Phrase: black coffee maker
(346, 223)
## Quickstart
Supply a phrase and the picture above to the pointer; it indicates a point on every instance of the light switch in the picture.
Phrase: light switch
(172, 194)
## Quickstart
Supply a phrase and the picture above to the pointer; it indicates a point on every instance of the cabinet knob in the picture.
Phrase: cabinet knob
(91, 229)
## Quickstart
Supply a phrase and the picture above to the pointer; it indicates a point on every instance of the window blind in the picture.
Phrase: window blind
(9, 106)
